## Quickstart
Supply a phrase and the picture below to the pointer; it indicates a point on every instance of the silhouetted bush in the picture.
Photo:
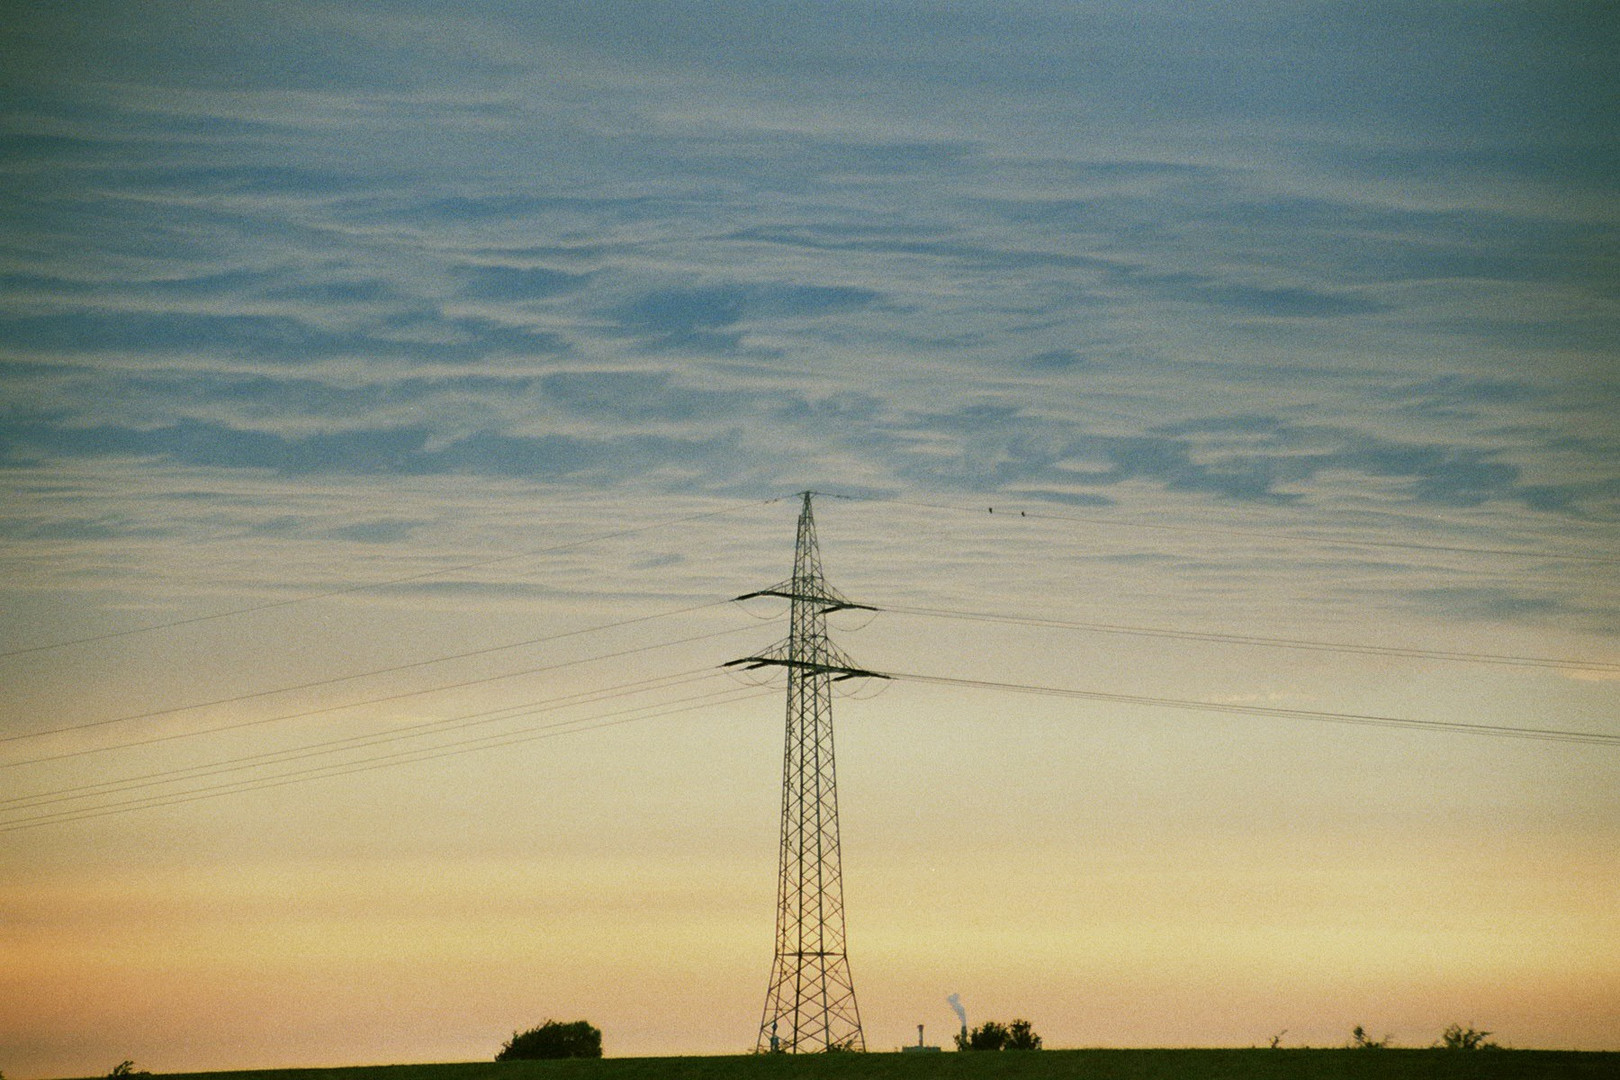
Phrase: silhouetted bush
(1457, 1037)
(991, 1035)
(553, 1039)
(1021, 1036)
(1362, 1041)
(124, 1070)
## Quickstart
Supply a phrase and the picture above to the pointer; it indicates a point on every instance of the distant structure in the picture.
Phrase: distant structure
(921, 1047)
(810, 1002)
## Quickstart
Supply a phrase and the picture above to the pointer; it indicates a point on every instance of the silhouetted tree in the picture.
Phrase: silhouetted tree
(1362, 1041)
(553, 1039)
(125, 1069)
(989, 1035)
(992, 1035)
(1457, 1037)
(1020, 1036)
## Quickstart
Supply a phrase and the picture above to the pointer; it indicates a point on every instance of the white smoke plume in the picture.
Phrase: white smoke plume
(956, 1003)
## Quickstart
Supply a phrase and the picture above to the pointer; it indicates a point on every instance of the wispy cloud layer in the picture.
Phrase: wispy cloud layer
(1325, 268)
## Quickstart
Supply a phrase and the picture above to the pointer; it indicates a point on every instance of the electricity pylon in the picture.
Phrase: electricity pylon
(810, 1003)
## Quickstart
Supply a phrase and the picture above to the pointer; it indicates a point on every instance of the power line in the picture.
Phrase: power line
(425, 729)
(387, 761)
(1593, 738)
(367, 701)
(353, 742)
(348, 589)
(361, 675)
(404, 757)
(629, 715)
(1270, 642)
(1204, 530)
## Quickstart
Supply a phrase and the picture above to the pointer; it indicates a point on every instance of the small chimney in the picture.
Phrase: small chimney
(922, 1047)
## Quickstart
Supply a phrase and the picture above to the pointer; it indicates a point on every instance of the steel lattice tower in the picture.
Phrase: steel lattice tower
(810, 1003)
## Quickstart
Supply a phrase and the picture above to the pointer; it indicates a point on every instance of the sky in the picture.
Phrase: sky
(392, 400)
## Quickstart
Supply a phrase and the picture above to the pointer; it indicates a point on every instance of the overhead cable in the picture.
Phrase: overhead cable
(1270, 642)
(403, 757)
(359, 675)
(237, 725)
(393, 734)
(1592, 738)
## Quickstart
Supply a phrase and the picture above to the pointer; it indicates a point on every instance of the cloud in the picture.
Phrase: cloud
(404, 334)
(552, 457)
(379, 531)
(1463, 396)
(126, 332)
(694, 317)
(1488, 603)
(1279, 302)
(1438, 474)
(525, 246)
(916, 244)
(639, 395)
(1055, 360)
(19, 527)
(405, 450)
(518, 282)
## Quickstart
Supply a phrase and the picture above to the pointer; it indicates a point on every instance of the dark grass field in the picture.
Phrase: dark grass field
(1392, 1064)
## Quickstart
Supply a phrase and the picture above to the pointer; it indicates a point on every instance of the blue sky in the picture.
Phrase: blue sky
(1322, 263)
(1081, 254)
(298, 296)
(571, 246)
